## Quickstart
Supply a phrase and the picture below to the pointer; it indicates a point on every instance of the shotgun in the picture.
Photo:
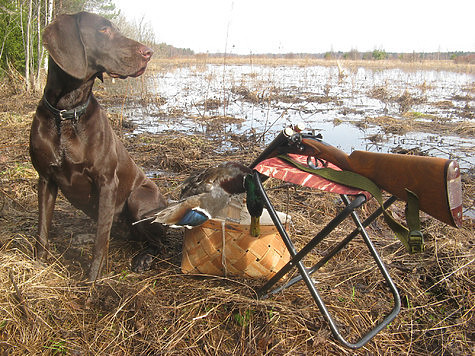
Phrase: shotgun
(435, 181)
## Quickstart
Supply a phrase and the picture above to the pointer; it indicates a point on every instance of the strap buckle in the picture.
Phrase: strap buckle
(416, 241)
(60, 114)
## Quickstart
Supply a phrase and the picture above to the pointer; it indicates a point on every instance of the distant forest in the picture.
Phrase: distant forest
(458, 57)
(164, 50)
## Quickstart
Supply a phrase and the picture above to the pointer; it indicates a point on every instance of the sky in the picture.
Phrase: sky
(308, 26)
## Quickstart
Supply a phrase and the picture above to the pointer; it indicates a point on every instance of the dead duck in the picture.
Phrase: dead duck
(208, 192)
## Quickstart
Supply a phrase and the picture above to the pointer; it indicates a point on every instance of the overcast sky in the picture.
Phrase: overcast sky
(264, 26)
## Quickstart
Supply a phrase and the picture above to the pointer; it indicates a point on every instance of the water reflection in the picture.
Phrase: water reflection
(265, 99)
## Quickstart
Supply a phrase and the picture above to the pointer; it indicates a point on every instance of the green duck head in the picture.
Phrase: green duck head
(255, 204)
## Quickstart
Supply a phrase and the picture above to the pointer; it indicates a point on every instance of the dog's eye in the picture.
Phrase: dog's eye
(106, 30)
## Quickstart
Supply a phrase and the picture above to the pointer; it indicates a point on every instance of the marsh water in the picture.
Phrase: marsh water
(351, 108)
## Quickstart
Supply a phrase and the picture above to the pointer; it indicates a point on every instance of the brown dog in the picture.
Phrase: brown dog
(72, 144)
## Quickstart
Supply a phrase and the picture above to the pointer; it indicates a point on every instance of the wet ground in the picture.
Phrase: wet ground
(385, 110)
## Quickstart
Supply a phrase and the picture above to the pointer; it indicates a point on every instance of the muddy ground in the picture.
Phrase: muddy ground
(44, 308)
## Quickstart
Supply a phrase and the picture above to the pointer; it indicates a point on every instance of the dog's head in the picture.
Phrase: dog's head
(86, 44)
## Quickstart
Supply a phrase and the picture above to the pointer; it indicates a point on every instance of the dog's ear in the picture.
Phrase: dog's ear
(63, 41)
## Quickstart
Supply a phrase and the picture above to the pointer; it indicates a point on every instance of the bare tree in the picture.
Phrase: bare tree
(47, 18)
(39, 15)
(27, 41)
(140, 30)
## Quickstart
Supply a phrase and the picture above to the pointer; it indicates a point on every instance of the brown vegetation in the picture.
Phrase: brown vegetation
(201, 60)
(44, 309)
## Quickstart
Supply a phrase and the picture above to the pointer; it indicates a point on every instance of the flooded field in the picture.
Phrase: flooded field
(387, 110)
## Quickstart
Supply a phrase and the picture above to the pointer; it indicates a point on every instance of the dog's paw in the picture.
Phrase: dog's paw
(83, 239)
(143, 261)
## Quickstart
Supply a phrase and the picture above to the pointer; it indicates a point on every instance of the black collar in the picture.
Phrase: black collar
(71, 114)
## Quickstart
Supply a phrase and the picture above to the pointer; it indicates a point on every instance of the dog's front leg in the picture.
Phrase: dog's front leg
(47, 192)
(107, 199)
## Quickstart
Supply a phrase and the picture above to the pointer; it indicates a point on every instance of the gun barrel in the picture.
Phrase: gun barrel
(278, 145)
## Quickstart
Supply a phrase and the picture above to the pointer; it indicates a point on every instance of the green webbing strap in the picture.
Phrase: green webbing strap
(416, 239)
(411, 238)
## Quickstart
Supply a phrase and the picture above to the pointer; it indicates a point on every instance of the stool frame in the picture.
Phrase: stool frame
(305, 273)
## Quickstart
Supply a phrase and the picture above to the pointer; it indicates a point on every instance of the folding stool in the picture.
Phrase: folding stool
(278, 169)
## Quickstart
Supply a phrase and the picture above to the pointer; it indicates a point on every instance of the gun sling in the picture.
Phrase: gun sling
(411, 238)
(304, 273)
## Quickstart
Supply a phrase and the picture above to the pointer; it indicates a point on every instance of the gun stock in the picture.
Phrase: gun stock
(436, 181)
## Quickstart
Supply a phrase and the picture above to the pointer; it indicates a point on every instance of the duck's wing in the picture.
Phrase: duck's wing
(185, 213)
(194, 210)
(199, 182)
(228, 176)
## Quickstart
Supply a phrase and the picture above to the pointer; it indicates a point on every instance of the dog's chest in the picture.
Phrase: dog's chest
(71, 170)
(70, 149)
(63, 155)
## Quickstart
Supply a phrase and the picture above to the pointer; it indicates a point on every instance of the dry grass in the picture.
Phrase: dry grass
(44, 309)
(411, 121)
(202, 60)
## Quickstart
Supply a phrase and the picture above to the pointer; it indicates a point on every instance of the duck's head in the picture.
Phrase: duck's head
(254, 202)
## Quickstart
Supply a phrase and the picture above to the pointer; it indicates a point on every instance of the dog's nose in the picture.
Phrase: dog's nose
(146, 52)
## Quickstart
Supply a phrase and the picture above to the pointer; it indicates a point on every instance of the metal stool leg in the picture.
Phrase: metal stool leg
(296, 258)
(337, 248)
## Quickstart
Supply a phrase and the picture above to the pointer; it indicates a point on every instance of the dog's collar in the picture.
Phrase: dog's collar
(71, 114)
